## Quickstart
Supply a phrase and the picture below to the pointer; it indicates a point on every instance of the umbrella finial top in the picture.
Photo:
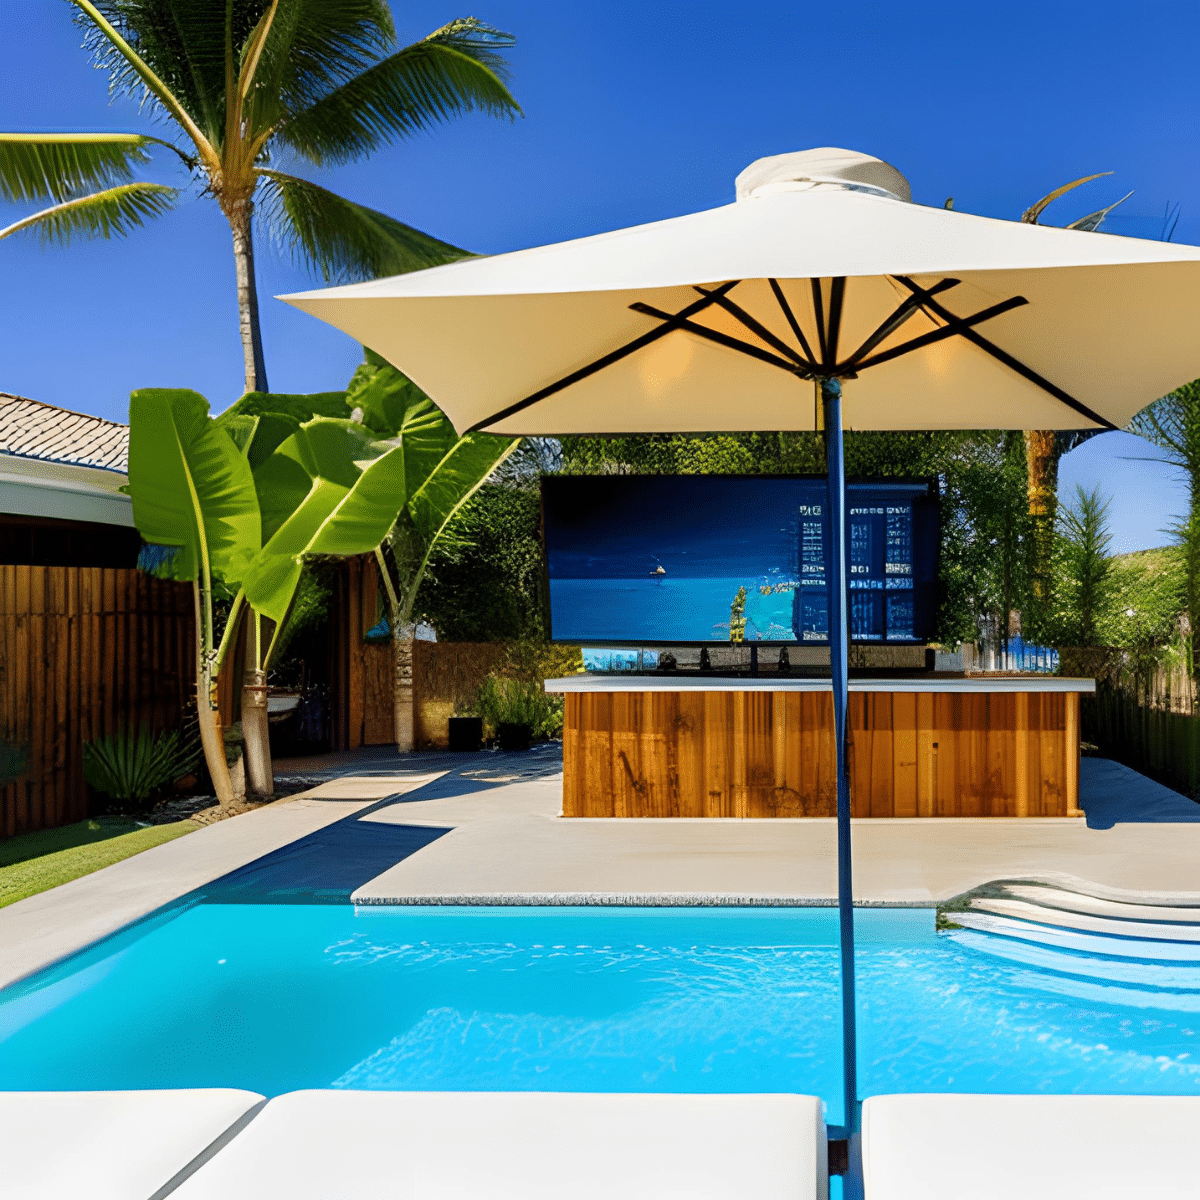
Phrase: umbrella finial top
(824, 167)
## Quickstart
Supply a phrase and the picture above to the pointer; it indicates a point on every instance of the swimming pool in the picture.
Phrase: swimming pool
(275, 997)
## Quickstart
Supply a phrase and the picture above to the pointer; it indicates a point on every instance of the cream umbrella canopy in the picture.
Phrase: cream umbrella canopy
(752, 316)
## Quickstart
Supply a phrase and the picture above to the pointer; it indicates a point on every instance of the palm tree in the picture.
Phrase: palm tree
(1044, 447)
(247, 83)
(65, 168)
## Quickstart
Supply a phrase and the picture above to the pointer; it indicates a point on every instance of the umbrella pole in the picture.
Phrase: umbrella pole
(831, 397)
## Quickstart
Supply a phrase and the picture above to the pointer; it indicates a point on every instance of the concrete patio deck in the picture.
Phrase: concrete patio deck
(485, 829)
(509, 846)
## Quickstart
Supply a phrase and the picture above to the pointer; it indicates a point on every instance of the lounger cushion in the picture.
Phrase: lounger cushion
(343, 1145)
(108, 1145)
(956, 1147)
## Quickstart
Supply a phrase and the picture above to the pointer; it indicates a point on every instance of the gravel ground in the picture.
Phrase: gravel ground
(205, 810)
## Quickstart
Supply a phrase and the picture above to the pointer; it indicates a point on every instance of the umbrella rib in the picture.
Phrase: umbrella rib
(670, 322)
(819, 312)
(902, 314)
(791, 319)
(762, 331)
(837, 296)
(1013, 364)
(723, 339)
(958, 326)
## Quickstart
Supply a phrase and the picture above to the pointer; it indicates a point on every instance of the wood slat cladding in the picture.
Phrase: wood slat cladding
(445, 674)
(770, 754)
(83, 649)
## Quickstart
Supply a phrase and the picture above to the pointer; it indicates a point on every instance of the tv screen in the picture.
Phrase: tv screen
(687, 559)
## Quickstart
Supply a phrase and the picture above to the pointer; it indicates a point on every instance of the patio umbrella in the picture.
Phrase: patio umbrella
(753, 316)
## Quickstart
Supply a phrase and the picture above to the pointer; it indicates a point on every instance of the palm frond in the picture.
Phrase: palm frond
(457, 69)
(342, 240)
(114, 211)
(317, 45)
(56, 166)
(1030, 215)
(1092, 222)
(168, 54)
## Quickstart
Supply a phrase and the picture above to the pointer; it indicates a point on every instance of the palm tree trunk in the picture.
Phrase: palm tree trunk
(240, 221)
(1042, 474)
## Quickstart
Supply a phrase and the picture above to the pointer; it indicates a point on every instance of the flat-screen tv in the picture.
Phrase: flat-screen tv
(689, 559)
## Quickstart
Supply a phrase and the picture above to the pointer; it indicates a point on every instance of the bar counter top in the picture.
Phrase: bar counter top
(695, 682)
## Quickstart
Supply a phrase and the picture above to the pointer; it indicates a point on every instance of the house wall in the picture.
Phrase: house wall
(44, 542)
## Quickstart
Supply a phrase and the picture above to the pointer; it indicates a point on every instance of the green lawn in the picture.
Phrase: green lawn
(36, 862)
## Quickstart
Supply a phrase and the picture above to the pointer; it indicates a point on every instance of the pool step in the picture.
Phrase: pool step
(1124, 926)
(1139, 973)
(1078, 902)
(1076, 940)
(1139, 955)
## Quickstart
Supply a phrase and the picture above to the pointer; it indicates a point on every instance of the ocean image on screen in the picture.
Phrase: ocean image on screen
(689, 558)
(694, 558)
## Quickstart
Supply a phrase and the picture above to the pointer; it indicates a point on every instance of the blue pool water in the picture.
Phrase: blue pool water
(277, 997)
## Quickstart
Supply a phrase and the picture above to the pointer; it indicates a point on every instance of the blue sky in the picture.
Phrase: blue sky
(634, 111)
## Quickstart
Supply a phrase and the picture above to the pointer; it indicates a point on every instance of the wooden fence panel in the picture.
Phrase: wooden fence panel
(1156, 741)
(82, 650)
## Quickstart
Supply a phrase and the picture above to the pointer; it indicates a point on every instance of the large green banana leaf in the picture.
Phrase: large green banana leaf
(453, 480)
(443, 470)
(192, 488)
(258, 436)
(329, 489)
(393, 406)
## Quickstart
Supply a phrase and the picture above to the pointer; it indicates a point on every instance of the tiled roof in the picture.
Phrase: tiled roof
(31, 429)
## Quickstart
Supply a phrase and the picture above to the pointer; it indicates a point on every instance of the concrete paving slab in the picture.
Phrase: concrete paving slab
(509, 846)
(46, 927)
(366, 787)
(536, 859)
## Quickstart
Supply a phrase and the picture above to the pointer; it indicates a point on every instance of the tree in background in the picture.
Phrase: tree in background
(1085, 577)
(1173, 425)
(1043, 450)
(484, 581)
(246, 83)
(985, 530)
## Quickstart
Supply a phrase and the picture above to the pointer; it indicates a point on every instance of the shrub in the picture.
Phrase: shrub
(504, 701)
(132, 767)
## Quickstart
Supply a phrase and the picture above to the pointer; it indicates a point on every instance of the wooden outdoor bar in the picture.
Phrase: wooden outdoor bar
(676, 746)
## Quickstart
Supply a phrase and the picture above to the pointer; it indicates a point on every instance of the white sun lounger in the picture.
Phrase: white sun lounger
(956, 1147)
(343, 1145)
(109, 1145)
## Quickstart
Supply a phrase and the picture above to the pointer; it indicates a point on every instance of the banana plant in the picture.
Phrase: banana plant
(441, 473)
(244, 504)
(329, 488)
(193, 490)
